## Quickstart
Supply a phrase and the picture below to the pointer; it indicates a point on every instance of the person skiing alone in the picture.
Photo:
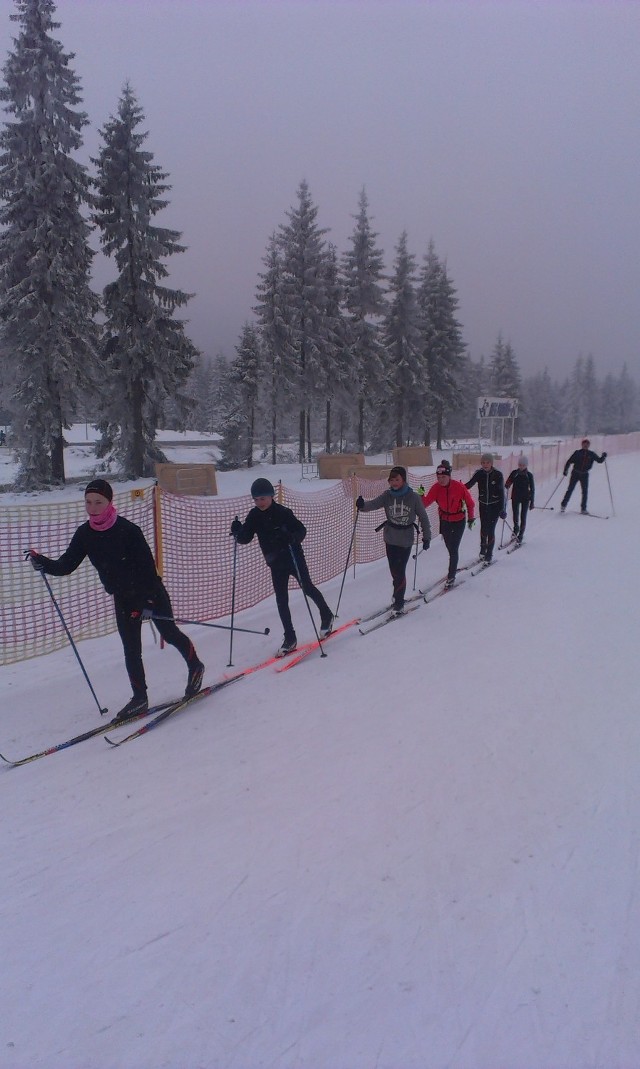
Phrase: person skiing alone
(583, 460)
(280, 535)
(522, 496)
(455, 508)
(402, 506)
(491, 501)
(121, 556)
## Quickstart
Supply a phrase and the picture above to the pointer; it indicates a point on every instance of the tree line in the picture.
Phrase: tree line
(338, 349)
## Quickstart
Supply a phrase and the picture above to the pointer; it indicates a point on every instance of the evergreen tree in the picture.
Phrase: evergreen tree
(337, 367)
(541, 403)
(273, 330)
(504, 376)
(201, 396)
(408, 378)
(248, 370)
(303, 276)
(46, 306)
(575, 400)
(443, 347)
(148, 357)
(364, 301)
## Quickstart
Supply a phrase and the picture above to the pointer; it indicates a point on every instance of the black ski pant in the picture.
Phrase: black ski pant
(129, 622)
(583, 479)
(489, 516)
(280, 577)
(520, 510)
(452, 532)
(398, 558)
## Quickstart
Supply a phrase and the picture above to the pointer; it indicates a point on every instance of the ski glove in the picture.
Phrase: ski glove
(604, 456)
(565, 473)
(236, 527)
(531, 505)
(470, 524)
(36, 562)
(503, 515)
(359, 501)
(426, 542)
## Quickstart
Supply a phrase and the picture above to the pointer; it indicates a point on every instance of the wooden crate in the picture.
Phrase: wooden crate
(193, 480)
(418, 456)
(338, 465)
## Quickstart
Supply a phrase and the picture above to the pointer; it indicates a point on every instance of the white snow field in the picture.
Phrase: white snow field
(419, 852)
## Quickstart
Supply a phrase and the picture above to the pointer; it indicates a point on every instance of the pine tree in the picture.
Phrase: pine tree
(248, 371)
(148, 357)
(303, 260)
(408, 379)
(443, 347)
(364, 301)
(504, 376)
(47, 308)
(337, 366)
(273, 331)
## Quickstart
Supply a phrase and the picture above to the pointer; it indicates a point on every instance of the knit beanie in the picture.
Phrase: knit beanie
(398, 470)
(487, 456)
(444, 468)
(523, 461)
(262, 488)
(99, 486)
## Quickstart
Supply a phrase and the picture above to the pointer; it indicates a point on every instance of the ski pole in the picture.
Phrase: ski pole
(148, 614)
(552, 493)
(613, 510)
(298, 577)
(344, 574)
(102, 709)
(415, 567)
(233, 598)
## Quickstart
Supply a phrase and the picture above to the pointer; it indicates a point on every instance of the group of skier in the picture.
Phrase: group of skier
(120, 554)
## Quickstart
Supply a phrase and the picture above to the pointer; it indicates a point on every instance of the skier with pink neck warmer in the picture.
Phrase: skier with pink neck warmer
(121, 556)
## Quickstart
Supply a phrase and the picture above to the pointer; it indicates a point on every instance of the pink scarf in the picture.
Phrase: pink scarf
(105, 520)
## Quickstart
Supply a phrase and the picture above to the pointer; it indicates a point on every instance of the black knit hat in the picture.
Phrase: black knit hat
(444, 468)
(398, 470)
(262, 488)
(100, 486)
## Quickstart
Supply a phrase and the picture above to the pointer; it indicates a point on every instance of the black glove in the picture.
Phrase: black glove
(531, 505)
(292, 538)
(426, 542)
(36, 561)
(565, 473)
(359, 501)
(236, 527)
(470, 524)
(503, 515)
(604, 456)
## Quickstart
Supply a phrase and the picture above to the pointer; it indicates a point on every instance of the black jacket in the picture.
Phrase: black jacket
(583, 461)
(490, 487)
(523, 485)
(121, 557)
(277, 528)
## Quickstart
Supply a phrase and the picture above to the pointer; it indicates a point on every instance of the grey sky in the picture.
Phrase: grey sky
(508, 132)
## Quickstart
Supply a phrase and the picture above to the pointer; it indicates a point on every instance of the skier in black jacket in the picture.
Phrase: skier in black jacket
(121, 556)
(491, 501)
(280, 535)
(583, 460)
(522, 496)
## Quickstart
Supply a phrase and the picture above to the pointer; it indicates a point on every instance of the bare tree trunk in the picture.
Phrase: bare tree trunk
(361, 424)
(57, 449)
(251, 436)
(327, 429)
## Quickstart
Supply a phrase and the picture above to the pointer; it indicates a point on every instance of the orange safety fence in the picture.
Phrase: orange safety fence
(194, 551)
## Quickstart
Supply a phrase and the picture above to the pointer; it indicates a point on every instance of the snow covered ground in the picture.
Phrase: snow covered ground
(419, 852)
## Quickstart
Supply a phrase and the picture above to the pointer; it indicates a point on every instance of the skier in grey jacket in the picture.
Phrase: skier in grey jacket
(402, 506)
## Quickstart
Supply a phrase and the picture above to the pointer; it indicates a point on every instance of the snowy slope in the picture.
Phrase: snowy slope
(420, 852)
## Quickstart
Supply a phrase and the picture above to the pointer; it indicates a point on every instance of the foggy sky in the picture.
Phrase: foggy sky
(507, 132)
